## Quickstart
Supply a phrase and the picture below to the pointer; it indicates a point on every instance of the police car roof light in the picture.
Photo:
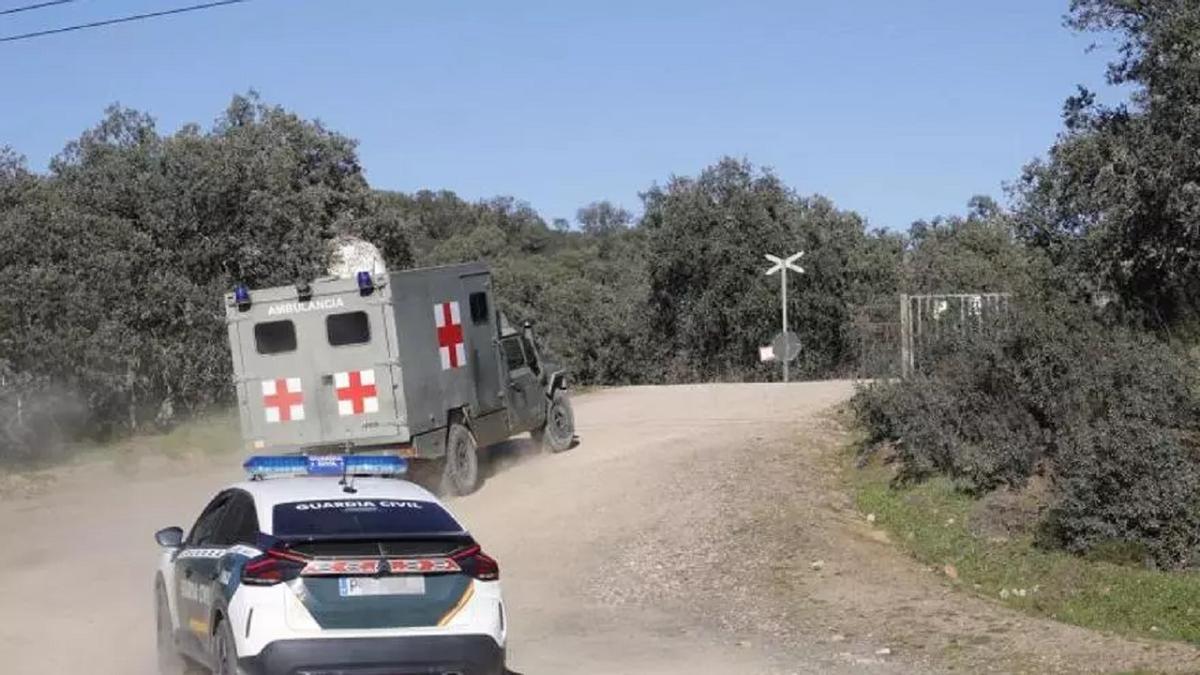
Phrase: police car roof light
(261, 466)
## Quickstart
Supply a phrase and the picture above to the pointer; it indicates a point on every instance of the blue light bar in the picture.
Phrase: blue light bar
(325, 465)
(241, 295)
(365, 283)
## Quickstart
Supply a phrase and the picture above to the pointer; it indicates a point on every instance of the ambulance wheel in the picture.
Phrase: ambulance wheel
(460, 474)
(559, 432)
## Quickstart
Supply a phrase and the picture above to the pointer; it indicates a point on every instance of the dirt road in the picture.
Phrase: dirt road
(696, 529)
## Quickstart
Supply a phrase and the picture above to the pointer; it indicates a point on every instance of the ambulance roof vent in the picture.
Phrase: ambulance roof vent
(351, 255)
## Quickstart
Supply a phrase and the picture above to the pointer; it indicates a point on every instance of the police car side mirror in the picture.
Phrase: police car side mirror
(169, 537)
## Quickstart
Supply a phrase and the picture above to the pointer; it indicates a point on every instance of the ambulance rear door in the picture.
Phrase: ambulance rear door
(316, 369)
(277, 385)
(359, 371)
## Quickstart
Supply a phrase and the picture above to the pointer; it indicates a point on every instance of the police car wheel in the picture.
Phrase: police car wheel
(559, 432)
(224, 651)
(169, 660)
(460, 475)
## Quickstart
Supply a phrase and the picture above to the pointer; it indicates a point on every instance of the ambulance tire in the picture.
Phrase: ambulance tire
(460, 471)
(559, 433)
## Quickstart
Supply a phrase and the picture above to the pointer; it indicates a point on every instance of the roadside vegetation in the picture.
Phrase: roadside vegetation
(1049, 396)
(955, 534)
(1049, 454)
(115, 263)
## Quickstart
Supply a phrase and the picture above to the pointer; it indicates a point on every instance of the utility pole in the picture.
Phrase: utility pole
(782, 265)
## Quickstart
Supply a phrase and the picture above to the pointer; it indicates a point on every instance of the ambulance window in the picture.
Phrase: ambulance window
(351, 328)
(530, 353)
(479, 308)
(512, 352)
(275, 337)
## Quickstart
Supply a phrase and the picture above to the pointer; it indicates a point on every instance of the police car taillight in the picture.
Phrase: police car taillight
(274, 566)
(478, 564)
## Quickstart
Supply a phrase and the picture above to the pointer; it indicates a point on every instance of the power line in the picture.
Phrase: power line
(124, 19)
(26, 8)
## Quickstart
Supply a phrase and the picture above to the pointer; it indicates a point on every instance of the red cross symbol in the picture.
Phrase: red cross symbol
(356, 392)
(449, 335)
(283, 401)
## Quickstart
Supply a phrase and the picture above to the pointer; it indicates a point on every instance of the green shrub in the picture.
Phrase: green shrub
(1109, 415)
(1127, 481)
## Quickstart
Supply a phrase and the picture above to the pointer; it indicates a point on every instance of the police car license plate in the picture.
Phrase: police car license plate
(403, 585)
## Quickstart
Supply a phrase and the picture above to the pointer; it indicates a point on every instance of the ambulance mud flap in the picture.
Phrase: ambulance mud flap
(431, 444)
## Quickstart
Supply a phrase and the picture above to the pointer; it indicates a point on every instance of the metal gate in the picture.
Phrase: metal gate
(876, 331)
(926, 317)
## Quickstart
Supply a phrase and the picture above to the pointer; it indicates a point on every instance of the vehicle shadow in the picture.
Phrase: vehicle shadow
(502, 456)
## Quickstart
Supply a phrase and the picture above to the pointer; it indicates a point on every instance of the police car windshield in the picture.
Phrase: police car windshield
(355, 518)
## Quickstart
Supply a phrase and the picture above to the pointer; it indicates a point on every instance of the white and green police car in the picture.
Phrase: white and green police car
(324, 565)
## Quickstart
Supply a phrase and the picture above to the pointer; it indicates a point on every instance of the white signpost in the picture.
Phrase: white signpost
(782, 265)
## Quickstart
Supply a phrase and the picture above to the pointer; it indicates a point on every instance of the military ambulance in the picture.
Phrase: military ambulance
(418, 362)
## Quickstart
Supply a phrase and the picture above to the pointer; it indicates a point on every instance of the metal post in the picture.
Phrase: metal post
(783, 282)
(905, 336)
(782, 265)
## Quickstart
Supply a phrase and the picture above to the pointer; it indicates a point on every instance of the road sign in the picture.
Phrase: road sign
(783, 266)
(786, 346)
(766, 353)
(781, 263)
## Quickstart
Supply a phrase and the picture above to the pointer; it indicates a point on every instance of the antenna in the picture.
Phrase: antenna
(347, 481)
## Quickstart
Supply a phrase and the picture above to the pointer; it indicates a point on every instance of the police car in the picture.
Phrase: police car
(327, 565)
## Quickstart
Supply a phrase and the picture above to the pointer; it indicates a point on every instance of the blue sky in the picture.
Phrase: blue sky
(898, 110)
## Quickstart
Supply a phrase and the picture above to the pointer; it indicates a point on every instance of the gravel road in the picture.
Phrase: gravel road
(695, 529)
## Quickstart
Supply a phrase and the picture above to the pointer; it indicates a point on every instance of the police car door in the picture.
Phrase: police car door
(237, 537)
(195, 569)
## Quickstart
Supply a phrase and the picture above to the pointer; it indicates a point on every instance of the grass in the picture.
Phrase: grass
(215, 433)
(931, 521)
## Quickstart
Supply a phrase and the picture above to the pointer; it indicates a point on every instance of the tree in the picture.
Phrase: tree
(602, 218)
(710, 304)
(975, 254)
(113, 267)
(1115, 203)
